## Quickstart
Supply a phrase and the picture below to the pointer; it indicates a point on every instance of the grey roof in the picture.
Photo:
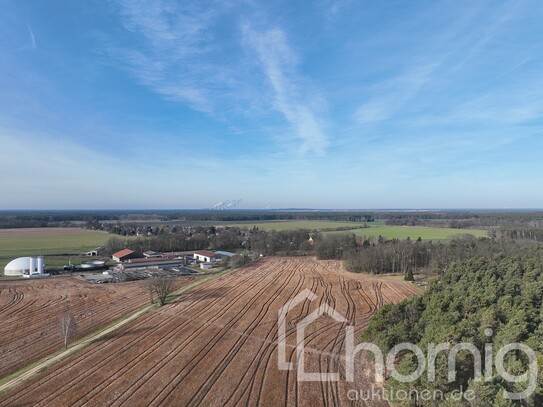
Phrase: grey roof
(222, 253)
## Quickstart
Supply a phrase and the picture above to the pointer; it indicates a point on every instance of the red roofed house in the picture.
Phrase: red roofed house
(206, 256)
(124, 255)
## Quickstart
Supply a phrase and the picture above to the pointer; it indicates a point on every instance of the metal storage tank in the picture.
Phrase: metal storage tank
(40, 265)
(32, 265)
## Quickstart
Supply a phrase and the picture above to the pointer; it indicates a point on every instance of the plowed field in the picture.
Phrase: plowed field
(217, 345)
(30, 312)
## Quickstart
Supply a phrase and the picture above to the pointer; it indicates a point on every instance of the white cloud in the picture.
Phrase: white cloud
(32, 38)
(174, 43)
(290, 98)
(392, 95)
(180, 55)
(448, 53)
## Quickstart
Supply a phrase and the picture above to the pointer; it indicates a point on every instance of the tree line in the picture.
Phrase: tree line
(401, 256)
(291, 242)
(495, 300)
(103, 220)
(372, 255)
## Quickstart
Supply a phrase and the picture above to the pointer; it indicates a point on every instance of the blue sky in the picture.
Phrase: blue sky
(324, 104)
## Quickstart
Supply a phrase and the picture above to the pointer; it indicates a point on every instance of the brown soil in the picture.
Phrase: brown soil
(30, 312)
(217, 344)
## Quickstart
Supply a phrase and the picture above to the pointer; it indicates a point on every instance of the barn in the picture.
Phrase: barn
(124, 255)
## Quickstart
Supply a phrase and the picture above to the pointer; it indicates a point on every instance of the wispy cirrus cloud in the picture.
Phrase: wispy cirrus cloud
(32, 37)
(290, 97)
(450, 50)
(174, 47)
(391, 95)
(181, 55)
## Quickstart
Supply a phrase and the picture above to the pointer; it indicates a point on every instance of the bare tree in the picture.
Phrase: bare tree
(151, 290)
(162, 287)
(68, 327)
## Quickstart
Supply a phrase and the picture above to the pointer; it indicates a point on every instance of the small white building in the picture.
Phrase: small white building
(205, 256)
(206, 266)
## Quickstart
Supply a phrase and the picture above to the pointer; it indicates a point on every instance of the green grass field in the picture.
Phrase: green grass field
(375, 229)
(413, 232)
(295, 224)
(18, 243)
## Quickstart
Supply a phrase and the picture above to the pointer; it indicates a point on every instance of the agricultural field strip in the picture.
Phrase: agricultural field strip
(30, 328)
(266, 348)
(47, 241)
(50, 361)
(85, 341)
(59, 239)
(136, 327)
(413, 232)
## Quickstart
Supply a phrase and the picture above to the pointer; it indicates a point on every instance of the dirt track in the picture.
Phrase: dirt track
(217, 345)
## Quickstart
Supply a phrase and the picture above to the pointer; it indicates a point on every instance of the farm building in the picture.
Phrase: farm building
(206, 266)
(152, 254)
(205, 256)
(99, 251)
(96, 252)
(164, 262)
(224, 255)
(124, 255)
(25, 266)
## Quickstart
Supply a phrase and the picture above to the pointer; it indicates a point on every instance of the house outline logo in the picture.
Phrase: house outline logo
(323, 309)
(424, 362)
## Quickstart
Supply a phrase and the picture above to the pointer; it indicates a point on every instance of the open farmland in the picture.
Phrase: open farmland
(217, 344)
(413, 232)
(37, 241)
(296, 224)
(30, 311)
(374, 229)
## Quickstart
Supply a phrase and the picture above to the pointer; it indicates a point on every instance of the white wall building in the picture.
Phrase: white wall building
(205, 256)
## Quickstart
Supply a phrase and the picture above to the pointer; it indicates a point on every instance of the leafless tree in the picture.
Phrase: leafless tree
(151, 290)
(68, 327)
(162, 287)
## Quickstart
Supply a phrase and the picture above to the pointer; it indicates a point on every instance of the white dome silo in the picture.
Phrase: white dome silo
(18, 267)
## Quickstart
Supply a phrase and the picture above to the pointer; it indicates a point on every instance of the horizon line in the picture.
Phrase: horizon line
(472, 209)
